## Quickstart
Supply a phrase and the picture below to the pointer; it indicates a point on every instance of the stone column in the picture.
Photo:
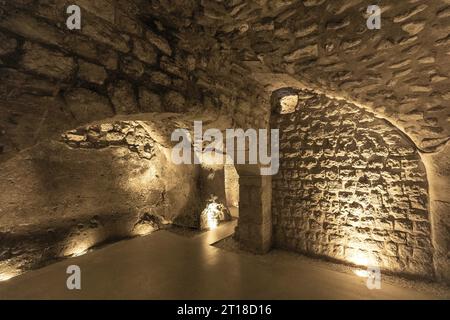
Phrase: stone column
(254, 231)
(438, 171)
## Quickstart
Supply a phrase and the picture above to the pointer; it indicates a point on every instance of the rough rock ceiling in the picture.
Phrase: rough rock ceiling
(401, 71)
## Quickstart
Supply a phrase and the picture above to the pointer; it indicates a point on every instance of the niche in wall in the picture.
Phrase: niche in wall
(351, 187)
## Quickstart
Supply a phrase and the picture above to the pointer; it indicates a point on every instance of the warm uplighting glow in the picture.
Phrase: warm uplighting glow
(212, 222)
(139, 179)
(81, 244)
(78, 250)
(361, 258)
(5, 276)
(78, 254)
(143, 229)
(361, 273)
(211, 215)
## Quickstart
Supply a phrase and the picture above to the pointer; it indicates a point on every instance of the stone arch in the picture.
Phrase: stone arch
(351, 187)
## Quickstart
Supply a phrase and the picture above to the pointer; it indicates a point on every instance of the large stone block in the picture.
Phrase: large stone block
(174, 102)
(159, 42)
(302, 53)
(257, 239)
(144, 51)
(255, 212)
(172, 68)
(104, 9)
(91, 72)
(160, 78)
(15, 82)
(132, 67)
(128, 23)
(31, 28)
(123, 97)
(149, 101)
(104, 32)
(87, 106)
(47, 62)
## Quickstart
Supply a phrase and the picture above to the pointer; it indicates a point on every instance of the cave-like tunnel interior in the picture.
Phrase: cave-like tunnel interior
(256, 141)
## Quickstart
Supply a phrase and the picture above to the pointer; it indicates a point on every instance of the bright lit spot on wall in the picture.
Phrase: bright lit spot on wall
(288, 104)
(361, 258)
(212, 213)
(361, 273)
(139, 180)
(78, 254)
(8, 274)
(143, 229)
(150, 174)
(78, 249)
(211, 216)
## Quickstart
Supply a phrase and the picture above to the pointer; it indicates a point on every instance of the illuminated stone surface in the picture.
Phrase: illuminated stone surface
(226, 58)
(351, 187)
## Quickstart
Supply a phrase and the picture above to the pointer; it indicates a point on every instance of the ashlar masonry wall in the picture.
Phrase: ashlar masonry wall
(351, 187)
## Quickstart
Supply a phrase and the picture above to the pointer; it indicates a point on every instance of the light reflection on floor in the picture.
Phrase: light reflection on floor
(166, 265)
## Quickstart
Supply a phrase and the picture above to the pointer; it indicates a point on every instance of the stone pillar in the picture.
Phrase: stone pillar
(254, 231)
(438, 171)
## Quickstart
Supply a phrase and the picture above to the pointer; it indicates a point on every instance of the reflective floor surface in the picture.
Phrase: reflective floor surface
(167, 265)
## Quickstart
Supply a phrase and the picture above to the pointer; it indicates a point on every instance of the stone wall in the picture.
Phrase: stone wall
(128, 134)
(400, 71)
(351, 187)
(129, 57)
(102, 183)
(205, 57)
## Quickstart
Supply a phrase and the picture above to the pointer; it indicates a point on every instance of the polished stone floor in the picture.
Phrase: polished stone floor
(169, 265)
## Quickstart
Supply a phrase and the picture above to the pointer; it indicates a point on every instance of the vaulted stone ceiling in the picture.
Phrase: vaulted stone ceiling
(400, 71)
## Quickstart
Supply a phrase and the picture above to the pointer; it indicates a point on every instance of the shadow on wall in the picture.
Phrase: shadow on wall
(351, 187)
(104, 182)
